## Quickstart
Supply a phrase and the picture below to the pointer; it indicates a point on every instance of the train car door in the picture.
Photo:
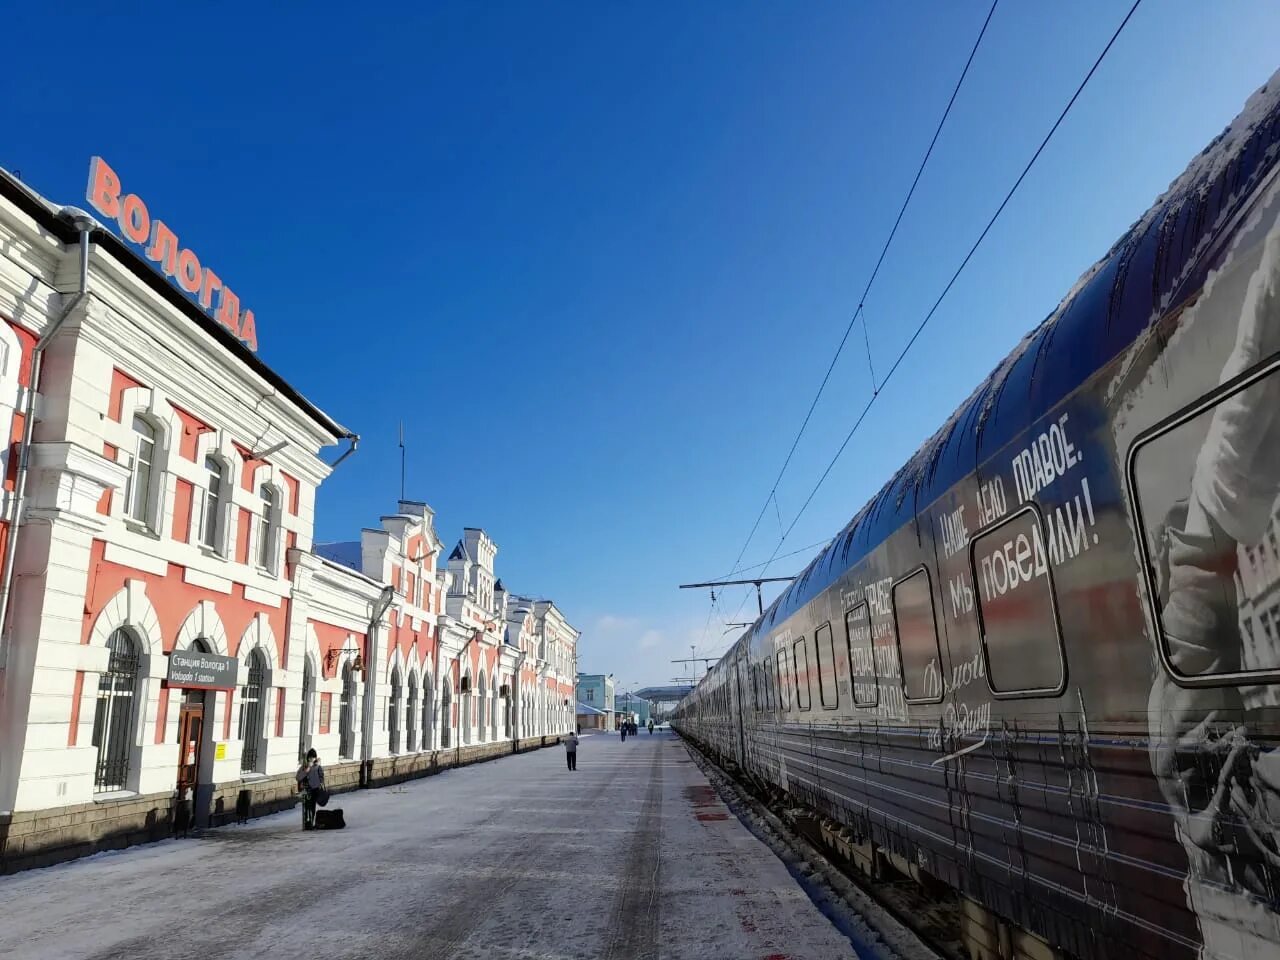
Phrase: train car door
(740, 714)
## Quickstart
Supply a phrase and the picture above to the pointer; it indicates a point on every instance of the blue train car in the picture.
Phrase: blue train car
(1042, 665)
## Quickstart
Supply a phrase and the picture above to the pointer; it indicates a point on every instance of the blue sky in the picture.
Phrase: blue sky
(597, 256)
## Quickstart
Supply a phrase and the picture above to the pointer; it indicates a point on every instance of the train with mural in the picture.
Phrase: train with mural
(1041, 667)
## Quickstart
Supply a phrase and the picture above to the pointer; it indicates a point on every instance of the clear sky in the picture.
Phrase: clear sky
(597, 256)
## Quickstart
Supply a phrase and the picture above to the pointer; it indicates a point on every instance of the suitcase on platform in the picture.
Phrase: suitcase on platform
(330, 819)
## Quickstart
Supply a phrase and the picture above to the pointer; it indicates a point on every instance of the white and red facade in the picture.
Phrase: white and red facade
(169, 507)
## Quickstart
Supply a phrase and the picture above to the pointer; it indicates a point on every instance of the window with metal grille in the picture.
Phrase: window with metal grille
(144, 459)
(494, 707)
(428, 712)
(114, 712)
(251, 703)
(394, 744)
(446, 715)
(411, 716)
(346, 707)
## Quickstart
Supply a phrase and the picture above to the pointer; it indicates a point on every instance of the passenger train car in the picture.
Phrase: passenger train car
(1042, 665)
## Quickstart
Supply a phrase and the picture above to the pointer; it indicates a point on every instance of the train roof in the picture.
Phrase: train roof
(1153, 267)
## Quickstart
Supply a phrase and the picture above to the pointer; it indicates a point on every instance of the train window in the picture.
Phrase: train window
(1201, 488)
(1017, 609)
(824, 648)
(804, 696)
(862, 657)
(784, 678)
(917, 637)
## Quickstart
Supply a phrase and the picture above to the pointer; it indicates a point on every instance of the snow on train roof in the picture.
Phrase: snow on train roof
(1100, 316)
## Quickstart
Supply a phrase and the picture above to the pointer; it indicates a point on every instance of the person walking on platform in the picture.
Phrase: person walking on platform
(571, 751)
(623, 728)
(651, 726)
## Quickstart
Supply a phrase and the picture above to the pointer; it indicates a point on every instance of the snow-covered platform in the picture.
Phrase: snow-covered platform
(631, 856)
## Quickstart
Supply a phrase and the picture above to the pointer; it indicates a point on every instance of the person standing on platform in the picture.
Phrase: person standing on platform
(310, 782)
(571, 751)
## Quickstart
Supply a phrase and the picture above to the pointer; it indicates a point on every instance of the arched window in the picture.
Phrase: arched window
(446, 714)
(211, 523)
(394, 718)
(428, 727)
(411, 715)
(308, 700)
(346, 711)
(252, 696)
(140, 498)
(466, 717)
(482, 709)
(507, 708)
(113, 714)
(267, 528)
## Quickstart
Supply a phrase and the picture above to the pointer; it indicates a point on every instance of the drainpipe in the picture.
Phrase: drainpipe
(85, 224)
(354, 438)
(370, 680)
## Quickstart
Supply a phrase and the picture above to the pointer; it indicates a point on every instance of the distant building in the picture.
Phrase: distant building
(589, 718)
(628, 704)
(596, 690)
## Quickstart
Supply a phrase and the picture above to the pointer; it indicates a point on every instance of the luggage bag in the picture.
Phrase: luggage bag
(330, 819)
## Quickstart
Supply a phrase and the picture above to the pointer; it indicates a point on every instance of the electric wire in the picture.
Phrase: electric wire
(875, 271)
(764, 563)
(954, 277)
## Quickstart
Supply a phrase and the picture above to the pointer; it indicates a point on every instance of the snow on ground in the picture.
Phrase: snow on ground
(873, 930)
(632, 856)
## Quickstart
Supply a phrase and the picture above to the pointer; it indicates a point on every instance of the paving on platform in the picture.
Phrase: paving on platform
(632, 857)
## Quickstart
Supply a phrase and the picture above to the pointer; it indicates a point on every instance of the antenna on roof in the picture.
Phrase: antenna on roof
(401, 459)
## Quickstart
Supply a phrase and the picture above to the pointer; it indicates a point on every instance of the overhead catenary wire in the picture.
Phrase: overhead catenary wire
(765, 563)
(951, 282)
(865, 291)
(706, 627)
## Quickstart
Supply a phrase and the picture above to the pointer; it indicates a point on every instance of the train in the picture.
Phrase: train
(1040, 669)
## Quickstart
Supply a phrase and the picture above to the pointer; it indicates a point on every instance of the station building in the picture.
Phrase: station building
(170, 638)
